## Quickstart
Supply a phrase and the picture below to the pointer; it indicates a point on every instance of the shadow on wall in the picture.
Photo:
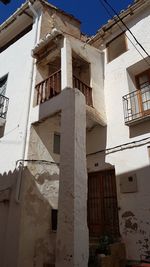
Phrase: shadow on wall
(37, 239)
(10, 214)
(134, 212)
(139, 129)
(26, 235)
(96, 141)
(42, 139)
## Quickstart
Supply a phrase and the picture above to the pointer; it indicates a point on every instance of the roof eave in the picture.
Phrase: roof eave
(13, 17)
(114, 21)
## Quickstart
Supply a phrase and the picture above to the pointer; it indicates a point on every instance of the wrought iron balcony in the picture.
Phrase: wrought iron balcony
(52, 86)
(3, 106)
(137, 105)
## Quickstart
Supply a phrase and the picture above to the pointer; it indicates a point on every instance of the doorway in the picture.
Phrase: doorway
(102, 204)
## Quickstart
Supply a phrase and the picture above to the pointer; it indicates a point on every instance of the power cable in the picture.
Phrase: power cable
(124, 24)
(122, 146)
(37, 161)
(124, 32)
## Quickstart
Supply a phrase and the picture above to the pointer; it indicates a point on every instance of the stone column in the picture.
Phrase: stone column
(66, 65)
(72, 235)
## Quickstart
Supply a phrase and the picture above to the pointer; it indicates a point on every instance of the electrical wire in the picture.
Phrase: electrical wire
(122, 146)
(117, 22)
(124, 24)
(37, 161)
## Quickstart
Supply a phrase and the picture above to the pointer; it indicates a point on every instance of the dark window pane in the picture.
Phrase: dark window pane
(54, 219)
(56, 145)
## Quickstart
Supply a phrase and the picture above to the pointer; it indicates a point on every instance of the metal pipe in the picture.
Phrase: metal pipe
(19, 181)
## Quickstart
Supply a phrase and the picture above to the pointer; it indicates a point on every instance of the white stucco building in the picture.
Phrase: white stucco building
(44, 162)
(127, 99)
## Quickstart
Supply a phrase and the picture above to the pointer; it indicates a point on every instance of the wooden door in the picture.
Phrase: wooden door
(102, 204)
(143, 86)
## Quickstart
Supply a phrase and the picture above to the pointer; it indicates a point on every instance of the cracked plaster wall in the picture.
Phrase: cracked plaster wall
(41, 184)
(54, 19)
(133, 208)
(9, 220)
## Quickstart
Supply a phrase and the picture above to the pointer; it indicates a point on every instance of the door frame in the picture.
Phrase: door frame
(139, 95)
(107, 173)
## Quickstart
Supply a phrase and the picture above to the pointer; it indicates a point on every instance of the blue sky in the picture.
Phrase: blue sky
(89, 12)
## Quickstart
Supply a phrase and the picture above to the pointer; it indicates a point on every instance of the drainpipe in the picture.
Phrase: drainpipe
(36, 17)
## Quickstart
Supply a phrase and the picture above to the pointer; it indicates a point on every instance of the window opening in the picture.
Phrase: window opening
(3, 99)
(137, 102)
(116, 47)
(143, 85)
(3, 83)
(56, 144)
(54, 219)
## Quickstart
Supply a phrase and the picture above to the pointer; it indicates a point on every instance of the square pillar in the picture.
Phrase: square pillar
(66, 65)
(72, 243)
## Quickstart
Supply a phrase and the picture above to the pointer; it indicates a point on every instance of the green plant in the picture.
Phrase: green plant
(103, 246)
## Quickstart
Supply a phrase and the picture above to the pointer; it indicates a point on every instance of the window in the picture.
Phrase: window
(56, 144)
(3, 83)
(3, 99)
(143, 86)
(3, 104)
(54, 219)
(116, 47)
(137, 103)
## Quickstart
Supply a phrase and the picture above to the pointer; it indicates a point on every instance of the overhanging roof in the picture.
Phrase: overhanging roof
(5, 1)
(25, 6)
(124, 14)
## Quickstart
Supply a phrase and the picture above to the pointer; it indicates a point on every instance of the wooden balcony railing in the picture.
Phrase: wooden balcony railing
(137, 105)
(49, 87)
(52, 87)
(85, 89)
(3, 106)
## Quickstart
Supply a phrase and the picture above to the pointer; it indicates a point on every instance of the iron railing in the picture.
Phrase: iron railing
(3, 106)
(52, 86)
(137, 104)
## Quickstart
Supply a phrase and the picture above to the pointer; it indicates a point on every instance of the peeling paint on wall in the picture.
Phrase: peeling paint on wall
(132, 225)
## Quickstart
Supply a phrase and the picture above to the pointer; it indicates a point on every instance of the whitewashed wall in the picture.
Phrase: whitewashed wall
(16, 60)
(133, 207)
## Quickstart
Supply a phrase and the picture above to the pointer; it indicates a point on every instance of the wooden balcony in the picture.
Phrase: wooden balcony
(48, 88)
(137, 105)
(85, 89)
(52, 86)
